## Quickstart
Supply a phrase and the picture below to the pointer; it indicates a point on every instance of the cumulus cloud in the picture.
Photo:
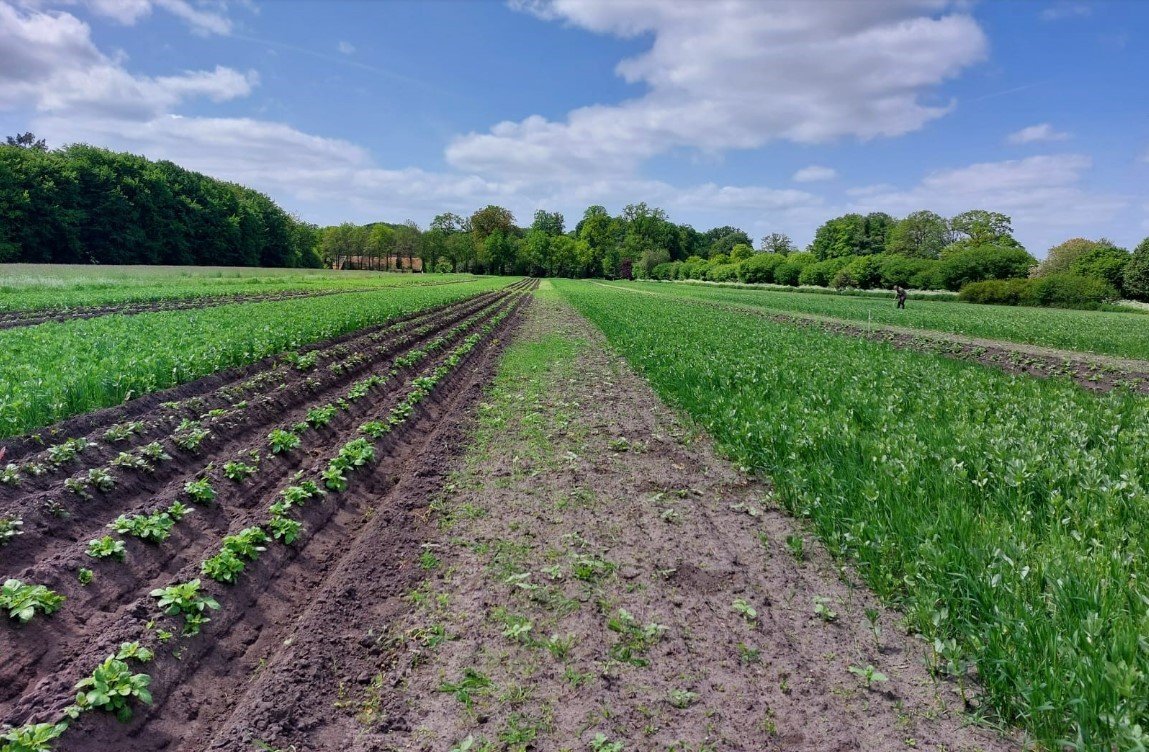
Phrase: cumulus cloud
(814, 173)
(49, 62)
(738, 77)
(1043, 195)
(1042, 132)
(205, 18)
(346, 48)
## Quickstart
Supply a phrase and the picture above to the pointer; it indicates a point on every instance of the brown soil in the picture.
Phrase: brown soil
(305, 594)
(31, 317)
(584, 496)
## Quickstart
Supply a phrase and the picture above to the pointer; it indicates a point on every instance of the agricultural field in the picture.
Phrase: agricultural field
(1124, 334)
(34, 293)
(149, 547)
(507, 515)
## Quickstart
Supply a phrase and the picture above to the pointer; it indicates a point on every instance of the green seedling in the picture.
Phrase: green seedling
(869, 675)
(824, 612)
(470, 684)
(682, 698)
(109, 688)
(35, 737)
(285, 529)
(186, 599)
(796, 545)
(282, 441)
(600, 743)
(101, 480)
(23, 601)
(107, 548)
(190, 438)
(872, 618)
(10, 527)
(744, 609)
(239, 471)
(200, 491)
(85, 576)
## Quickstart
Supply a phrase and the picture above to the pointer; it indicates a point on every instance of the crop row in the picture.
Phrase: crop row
(27, 288)
(189, 601)
(1120, 334)
(144, 469)
(56, 370)
(297, 376)
(1005, 515)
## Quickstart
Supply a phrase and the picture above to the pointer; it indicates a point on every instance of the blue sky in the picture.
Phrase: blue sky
(770, 116)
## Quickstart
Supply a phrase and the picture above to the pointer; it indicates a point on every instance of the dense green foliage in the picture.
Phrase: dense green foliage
(81, 204)
(56, 370)
(1060, 290)
(1121, 334)
(1136, 273)
(1003, 513)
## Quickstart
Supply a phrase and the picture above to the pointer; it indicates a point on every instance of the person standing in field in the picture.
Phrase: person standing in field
(901, 293)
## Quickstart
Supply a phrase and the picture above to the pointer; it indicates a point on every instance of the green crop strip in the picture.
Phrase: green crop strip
(1121, 334)
(54, 286)
(1004, 513)
(53, 371)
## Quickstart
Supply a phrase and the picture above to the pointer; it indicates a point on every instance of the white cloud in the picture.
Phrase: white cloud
(1062, 10)
(345, 47)
(129, 12)
(738, 77)
(1042, 132)
(814, 173)
(1043, 194)
(49, 62)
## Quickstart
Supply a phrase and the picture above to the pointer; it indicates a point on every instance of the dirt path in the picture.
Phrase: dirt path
(1090, 371)
(603, 581)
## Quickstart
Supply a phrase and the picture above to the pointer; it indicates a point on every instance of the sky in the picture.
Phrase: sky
(768, 115)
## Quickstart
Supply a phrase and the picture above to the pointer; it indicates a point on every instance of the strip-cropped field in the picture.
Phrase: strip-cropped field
(203, 530)
(1123, 335)
(33, 287)
(57, 370)
(1005, 515)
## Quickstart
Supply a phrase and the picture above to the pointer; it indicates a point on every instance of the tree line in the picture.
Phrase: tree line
(923, 250)
(85, 205)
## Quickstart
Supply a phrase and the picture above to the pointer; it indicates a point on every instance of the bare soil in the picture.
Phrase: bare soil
(601, 576)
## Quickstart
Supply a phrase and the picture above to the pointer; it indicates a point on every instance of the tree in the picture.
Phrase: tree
(28, 140)
(550, 223)
(922, 234)
(491, 219)
(980, 227)
(878, 225)
(1107, 263)
(741, 252)
(967, 264)
(777, 242)
(1137, 272)
(841, 236)
(1060, 257)
(408, 244)
(722, 239)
